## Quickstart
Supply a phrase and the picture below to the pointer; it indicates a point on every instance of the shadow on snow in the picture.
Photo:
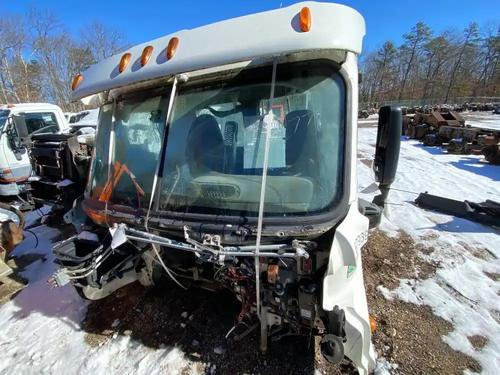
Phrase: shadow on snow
(466, 162)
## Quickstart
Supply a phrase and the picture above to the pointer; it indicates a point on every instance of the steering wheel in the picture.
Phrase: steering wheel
(47, 129)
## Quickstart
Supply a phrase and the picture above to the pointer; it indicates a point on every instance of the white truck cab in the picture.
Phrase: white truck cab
(225, 156)
(15, 166)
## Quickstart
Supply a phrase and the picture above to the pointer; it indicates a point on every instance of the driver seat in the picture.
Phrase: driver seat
(205, 146)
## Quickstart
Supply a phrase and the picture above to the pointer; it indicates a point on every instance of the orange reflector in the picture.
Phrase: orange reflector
(124, 61)
(76, 81)
(373, 324)
(305, 19)
(146, 55)
(173, 44)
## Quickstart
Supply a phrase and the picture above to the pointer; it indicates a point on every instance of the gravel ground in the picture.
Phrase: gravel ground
(407, 334)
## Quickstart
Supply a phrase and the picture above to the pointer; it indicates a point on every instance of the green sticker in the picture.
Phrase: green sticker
(350, 270)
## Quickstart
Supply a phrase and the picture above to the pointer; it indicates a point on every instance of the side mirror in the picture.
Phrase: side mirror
(16, 124)
(21, 128)
(390, 123)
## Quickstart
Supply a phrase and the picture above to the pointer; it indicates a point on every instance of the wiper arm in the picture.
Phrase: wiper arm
(211, 249)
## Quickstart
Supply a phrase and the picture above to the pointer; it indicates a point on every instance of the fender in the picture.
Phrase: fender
(343, 287)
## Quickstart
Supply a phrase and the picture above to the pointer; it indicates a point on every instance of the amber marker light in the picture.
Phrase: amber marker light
(146, 55)
(173, 44)
(305, 19)
(76, 81)
(373, 324)
(124, 61)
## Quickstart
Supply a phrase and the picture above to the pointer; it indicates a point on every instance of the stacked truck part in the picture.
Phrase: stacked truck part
(448, 129)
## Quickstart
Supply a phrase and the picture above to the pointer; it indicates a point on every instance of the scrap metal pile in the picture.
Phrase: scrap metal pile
(447, 128)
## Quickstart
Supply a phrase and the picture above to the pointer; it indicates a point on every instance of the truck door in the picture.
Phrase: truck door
(16, 156)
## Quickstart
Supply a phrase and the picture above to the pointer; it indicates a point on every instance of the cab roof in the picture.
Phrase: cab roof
(276, 32)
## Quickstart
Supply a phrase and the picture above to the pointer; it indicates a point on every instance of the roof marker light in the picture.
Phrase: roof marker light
(124, 61)
(173, 44)
(76, 81)
(146, 55)
(305, 19)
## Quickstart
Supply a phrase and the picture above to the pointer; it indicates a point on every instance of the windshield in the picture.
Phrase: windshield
(4, 115)
(138, 125)
(215, 148)
(215, 145)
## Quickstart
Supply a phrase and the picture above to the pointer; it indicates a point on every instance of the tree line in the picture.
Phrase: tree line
(39, 57)
(434, 67)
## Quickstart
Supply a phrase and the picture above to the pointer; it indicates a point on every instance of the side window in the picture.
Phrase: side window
(41, 122)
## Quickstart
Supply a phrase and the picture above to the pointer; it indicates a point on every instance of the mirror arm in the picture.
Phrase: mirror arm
(380, 199)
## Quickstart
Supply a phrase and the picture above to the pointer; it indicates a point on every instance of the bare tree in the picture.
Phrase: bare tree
(489, 57)
(102, 41)
(414, 40)
(471, 37)
(449, 65)
(383, 67)
(39, 58)
(11, 40)
(436, 53)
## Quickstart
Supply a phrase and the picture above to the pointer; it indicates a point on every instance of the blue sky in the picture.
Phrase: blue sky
(148, 19)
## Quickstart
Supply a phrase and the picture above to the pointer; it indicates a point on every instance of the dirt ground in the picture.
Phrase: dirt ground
(408, 335)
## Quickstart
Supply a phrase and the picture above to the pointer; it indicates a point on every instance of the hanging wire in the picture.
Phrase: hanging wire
(263, 192)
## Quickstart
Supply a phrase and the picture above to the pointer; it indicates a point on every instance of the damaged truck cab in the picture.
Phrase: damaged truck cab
(36, 119)
(225, 157)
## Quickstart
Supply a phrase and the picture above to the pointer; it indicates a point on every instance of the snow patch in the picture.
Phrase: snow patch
(461, 291)
(384, 367)
(40, 328)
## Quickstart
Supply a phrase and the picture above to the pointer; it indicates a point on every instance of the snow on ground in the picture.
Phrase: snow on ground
(461, 291)
(482, 120)
(372, 119)
(384, 367)
(40, 328)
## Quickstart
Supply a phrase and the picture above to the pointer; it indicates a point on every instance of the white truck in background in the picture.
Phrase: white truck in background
(15, 166)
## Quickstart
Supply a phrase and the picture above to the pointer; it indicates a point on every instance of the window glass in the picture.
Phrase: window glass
(138, 125)
(41, 122)
(215, 150)
(4, 115)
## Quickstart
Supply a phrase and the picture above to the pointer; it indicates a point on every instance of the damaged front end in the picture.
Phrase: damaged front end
(239, 181)
(100, 262)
